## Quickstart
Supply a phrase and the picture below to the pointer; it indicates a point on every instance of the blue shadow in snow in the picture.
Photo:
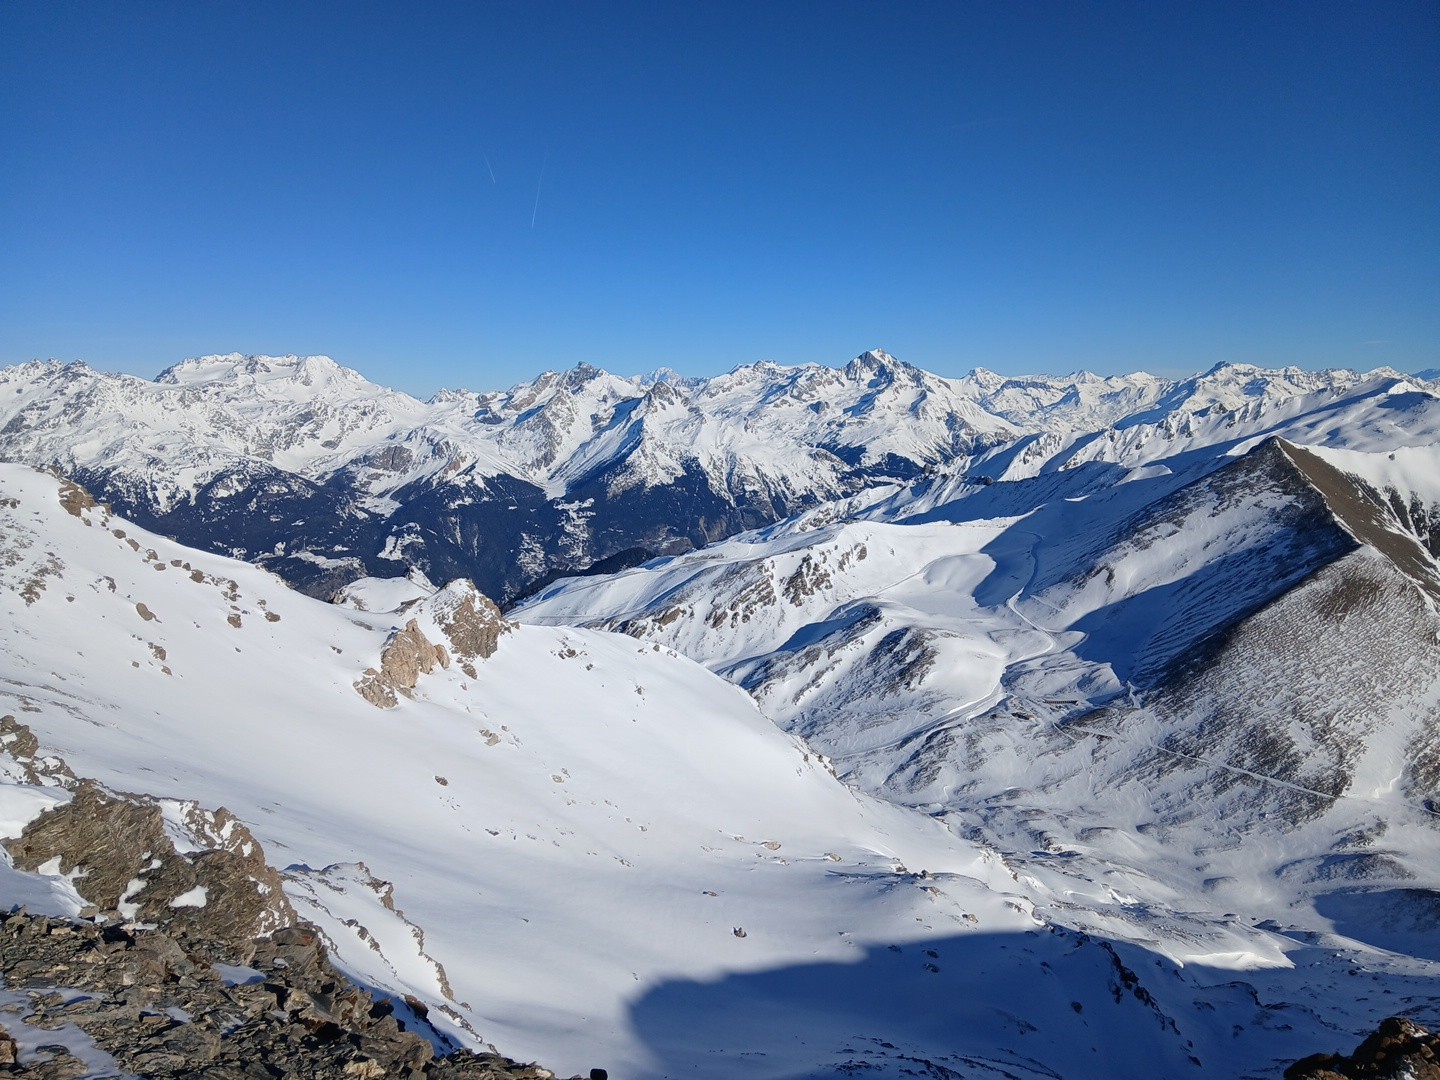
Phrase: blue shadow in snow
(1398, 920)
(1047, 1003)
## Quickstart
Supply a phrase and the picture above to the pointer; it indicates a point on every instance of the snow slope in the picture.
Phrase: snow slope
(585, 853)
(592, 851)
(1190, 669)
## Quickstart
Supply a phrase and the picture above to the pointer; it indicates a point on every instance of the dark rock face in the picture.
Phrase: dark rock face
(493, 535)
(509, 538)
(1398, 1050)
(505, 533)
(248, 514)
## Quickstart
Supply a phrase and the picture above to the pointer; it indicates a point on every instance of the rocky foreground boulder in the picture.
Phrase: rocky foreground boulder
(162, 1012)
(215, 899)
(1398, 1050)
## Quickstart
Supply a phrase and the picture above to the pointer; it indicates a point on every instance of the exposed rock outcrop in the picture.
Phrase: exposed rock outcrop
(215, 899)
(75, 498)
(470, 621)
(469, 627)
(21, 758)
(407, 655)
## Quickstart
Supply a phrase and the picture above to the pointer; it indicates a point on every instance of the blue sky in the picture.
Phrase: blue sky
(465, 194)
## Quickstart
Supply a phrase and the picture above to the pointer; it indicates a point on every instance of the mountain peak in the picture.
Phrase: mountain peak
(877, 363)
(661, 374)
(877, 358)
(584, 370)
(65, 369)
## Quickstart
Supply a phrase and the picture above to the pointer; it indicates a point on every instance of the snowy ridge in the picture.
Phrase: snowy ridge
(310, 416)
(253, 455)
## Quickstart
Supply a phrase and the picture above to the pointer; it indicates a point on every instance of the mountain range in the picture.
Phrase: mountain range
(886, 723)
(303, 466)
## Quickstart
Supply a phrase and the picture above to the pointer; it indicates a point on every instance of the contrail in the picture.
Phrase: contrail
(487, 165)
(544, 161)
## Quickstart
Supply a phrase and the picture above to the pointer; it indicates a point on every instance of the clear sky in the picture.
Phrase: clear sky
(465, 194)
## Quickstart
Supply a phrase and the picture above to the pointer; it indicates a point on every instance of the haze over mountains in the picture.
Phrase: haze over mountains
(1126, 690)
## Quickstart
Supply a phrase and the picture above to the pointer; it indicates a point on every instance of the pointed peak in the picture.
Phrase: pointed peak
(582, 375)
(876, 363)
(584, 371)
(878, 358)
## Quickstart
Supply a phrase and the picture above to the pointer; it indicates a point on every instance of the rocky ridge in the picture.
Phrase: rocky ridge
(158, 1010)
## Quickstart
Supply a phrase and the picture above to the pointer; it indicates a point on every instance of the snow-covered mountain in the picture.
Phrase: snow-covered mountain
(1131, 685)
(306, 467)
(1193, 657)
(1105, 567)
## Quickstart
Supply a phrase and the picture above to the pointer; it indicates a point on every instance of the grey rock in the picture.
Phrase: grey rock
(160, 1014)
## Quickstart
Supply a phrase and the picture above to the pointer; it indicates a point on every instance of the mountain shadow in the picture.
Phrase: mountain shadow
(1046, 1003)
